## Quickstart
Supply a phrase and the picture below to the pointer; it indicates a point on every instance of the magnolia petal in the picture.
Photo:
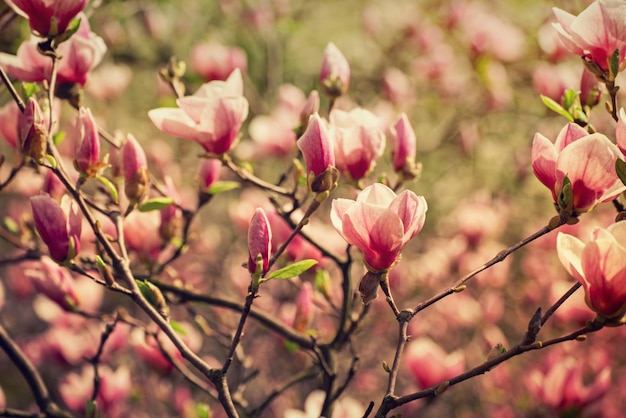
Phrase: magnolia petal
(544, 157)
(412, 212)
(570, 249)
(174, 121)
(377, 194)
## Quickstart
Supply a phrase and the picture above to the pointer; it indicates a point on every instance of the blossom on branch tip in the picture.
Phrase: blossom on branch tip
(33, 130)
(316, 145)
(135, 169)
(586, 161)
(59, 228)
(212, 116)
(48, 18)
(600, 266)
(596, 33)
(259, 242)
(379, 223)
(335, 72)
(87, 140)
(403, 146)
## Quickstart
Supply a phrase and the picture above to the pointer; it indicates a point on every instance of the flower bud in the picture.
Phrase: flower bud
(259, 242)
(403, 146)
(368, 288)
(135, 168)
(335, 72)
(316, 145)
(32, 130)
(208, 173)
(304, 308)
(87, 144)
(59, 232)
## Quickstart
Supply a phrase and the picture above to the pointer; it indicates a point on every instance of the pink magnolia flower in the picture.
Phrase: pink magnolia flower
(214, 61)
(430, 365)
(53, 281)
(208, 173)
(48, 18)
(596, 32)
(359, 140)
(32, 130)
(59, 231)
(379, 223)
(9, 117)
(587, 160)
(600, 266)
(80, 54)
(259, 241)
(87, 140)
(561, 386)
(316, 145)
(335, 72)
(403, 144)
(135, 169)
(212, 116)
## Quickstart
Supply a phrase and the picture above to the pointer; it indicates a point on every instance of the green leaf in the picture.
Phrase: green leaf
(156, 203)
(614, 64)
(555, 107)
(176, 326)
(58, 137)
(203, 410)
(110, 187)
(51, 161)
(222, 186)
(144, 288)
(291, 270)
(30, 89)
(91, 409)
(566, 197)
(10, 225)
(620, 169)
(291, 346)
(569, 98)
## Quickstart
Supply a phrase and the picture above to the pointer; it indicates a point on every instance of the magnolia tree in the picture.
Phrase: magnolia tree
(274, 267)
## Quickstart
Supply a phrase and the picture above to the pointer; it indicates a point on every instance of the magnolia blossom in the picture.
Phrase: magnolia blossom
(87, 143)
(587, 160)
(430, 365)
(53, 281)
(79, 55)
(212, 116)
(214, 61)
(403, 144)
(595, 33)
(379, 223)
(316, 145)
(335, 72)
(561, 386)
(259, 241)
(59, 231)
(48, 18)
(600, 266)
(359, 140)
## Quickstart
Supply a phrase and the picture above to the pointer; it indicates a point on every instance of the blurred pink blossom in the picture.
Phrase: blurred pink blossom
(403, 144)
(109, 81)
(141, 232)
(430, 365)
(335, 72)
(53, 281)
(379, 222)
(587, 160)
(9, 116)
(596, 32)
(600, 266)
(80, 54)
(552, 80)
(211, 117)
(215, 61)
(59, 227)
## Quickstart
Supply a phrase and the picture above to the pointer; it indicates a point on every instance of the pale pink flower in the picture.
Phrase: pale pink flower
(430, 365)
(214, 61)
(600, 266)
(80, 54)
(335, 72)
(60, 232)
(403, 144)
(48, 278)
(587, 160)
(48, 18)
(552, 80)
(359, 141)
(596, 32)
(379, 223)
(9, 117)
(109, 81)
(259, 241)
(211, 117)
(141, 232)
(271, 136)
(561, 386)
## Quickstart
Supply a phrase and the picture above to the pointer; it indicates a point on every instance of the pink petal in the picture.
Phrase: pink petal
(544, 158)
(174, 121)
(570, 249)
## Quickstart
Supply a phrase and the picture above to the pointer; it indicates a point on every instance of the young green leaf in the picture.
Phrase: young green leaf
(110, 188)
(156, 203)
(222, 186)
(555, 107)
(291, 270)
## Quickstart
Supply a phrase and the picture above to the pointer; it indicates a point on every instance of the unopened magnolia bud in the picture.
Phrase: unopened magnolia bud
(335, 72)
(135, 168)
(326, 181)
(32, 130)
(369, 287)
